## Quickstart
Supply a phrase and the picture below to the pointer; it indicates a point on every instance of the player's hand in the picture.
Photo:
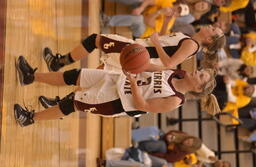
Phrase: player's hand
(130, 77)
(154, 38)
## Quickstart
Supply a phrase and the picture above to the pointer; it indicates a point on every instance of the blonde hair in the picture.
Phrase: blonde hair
(209, 60)
(210, 104)
(207, 87)
(218, 42)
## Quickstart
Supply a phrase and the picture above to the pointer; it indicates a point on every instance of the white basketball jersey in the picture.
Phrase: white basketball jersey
(151, 85)
(170, 43)
(171, 40)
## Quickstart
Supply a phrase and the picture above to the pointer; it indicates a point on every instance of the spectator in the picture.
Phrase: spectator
(234, 69)
(233, 37)
(219, 163)
(175, 146)
(249, 138)
(248, 54)
(233, 5)
(130, 157)
(247, 115)
(204, 154)
(152, 20)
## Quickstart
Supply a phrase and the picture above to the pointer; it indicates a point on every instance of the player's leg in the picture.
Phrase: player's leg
(25, 117)
(55, 62)
(70, 77)
(107, 43)
(84, 78)
(27, 75)
(47, 102)
(51, 78)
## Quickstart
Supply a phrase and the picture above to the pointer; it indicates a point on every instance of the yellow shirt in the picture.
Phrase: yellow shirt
(158, 26)
(158, 4)
(164, 3)
(160, 19)
(235, 4)
(181, 163)
(241, 100)
(249, 58)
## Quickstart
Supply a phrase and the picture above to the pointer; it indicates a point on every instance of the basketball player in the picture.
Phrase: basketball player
(110, 93)
(166, 51)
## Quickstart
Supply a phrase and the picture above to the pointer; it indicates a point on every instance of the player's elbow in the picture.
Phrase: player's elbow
(140, 106)
(168, 62)
(146, 108)
(168, 65)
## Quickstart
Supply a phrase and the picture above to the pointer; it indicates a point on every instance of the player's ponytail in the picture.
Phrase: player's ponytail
(210, 104)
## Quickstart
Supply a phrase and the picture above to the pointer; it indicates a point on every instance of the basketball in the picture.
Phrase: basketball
(134, 58)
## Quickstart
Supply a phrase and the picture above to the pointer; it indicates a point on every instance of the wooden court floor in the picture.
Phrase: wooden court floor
(30, 26)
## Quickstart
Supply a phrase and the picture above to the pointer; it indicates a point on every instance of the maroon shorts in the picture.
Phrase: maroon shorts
(108, 108)
(109, 45)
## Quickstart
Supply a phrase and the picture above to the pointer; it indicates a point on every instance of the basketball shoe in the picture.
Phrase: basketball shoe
(51, 60)
(24, 117)
(48, 102)
(25, 71)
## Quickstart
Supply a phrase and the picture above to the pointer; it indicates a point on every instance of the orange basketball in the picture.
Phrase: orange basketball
(134, 58)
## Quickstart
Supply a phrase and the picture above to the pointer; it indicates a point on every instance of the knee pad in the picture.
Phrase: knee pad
(71, 76)
(66, 104)
(89, 43)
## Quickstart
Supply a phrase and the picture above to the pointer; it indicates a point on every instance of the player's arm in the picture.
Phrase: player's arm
(138, 99)
(160, 105)
(156, 105)
(187, 48)
(154, 67)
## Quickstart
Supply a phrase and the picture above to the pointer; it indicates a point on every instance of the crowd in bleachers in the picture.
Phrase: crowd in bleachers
(152, 147)
(234, 63)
